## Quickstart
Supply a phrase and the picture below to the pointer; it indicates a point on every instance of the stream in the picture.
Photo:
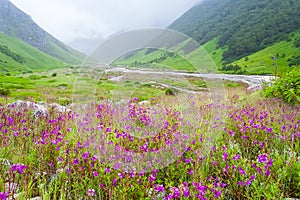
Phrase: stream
(254, 82)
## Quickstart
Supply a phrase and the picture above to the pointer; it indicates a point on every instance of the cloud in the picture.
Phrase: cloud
(72, 19)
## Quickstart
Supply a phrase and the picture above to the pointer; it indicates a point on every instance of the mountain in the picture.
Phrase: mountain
(16, 56)
(240, 36)
(16, 23)
(242, 27)
(85, 45)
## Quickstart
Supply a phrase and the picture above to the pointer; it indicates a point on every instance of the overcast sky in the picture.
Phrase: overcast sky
(68, 20)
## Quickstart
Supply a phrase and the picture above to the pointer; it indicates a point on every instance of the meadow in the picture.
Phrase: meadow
(244, 147)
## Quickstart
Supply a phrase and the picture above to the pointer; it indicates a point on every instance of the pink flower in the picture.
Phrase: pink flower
(18, 167)
(236, 157)
(107, 170)
(152, 178)
(16, 133)
(75, 161)
(263, 158)
(85, 155)
(3, 196)
(159, 188)
(121, 175)
(224, 156)
(95, 174)
(91, 192)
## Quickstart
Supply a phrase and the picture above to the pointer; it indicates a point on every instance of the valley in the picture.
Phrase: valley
(206, 108)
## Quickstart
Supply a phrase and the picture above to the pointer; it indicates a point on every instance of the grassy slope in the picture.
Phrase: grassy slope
(176, 62)
(261, 61)
(33, 59)
(206, 57)
(209, 57)
(65, 53)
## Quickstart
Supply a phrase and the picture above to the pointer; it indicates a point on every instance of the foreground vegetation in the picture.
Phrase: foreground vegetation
(244, 148)
(252, 153)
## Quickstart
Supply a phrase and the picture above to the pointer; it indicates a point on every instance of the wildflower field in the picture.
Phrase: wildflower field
(155, 151)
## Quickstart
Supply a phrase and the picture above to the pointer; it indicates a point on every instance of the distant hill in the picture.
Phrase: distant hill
(241, 36)
(244, 27)
(16, 23)
(16, 56)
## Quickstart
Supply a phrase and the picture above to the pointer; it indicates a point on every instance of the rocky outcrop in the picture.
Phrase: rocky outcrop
(39, 109)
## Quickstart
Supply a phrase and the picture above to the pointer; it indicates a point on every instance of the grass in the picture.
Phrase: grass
(215, 53)
(17, 57)
(261, 62)
(158, 59)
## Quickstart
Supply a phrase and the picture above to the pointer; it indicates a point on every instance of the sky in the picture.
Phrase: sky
(83, 20)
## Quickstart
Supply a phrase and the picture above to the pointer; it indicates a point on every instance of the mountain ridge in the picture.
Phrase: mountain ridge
(245, 27)
(14, 22)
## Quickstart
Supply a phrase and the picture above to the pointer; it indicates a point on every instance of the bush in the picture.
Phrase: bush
(4, 92)
(54, 74)
(286, 87)
(35, 77)
(170, 92)
(65, 101)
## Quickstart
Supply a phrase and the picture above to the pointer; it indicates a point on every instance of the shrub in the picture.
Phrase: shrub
(35, 77)
(4, 92)
(63, 85)
(170, 91)
(286, 87)
(64, 101)
(54, 74)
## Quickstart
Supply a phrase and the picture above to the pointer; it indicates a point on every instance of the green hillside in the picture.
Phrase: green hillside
(282, 54)
(17, 56)
(240, 36)
(244, 27)
(153, 58)
(16, 23)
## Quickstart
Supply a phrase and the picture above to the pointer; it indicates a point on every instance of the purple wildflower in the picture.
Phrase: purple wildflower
(91, 192)
(242, 172)
(75, 161)
(240, 183)
(159, 188)
(269, 130)
(224, 156)
(231, 133)
(114, 182)
(85, 155)
(236, 157)
(120, 175)
(16, 133)
(250, 180)
(263, 158)
(270, 163)
(152, 178)
(3, 196)
(18, 167)
(95, 174)
(107, 170)
(217, 193)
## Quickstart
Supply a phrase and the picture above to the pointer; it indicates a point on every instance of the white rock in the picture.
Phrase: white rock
(144, 103)
(59, 108)
(36, 198)
(38, 110)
